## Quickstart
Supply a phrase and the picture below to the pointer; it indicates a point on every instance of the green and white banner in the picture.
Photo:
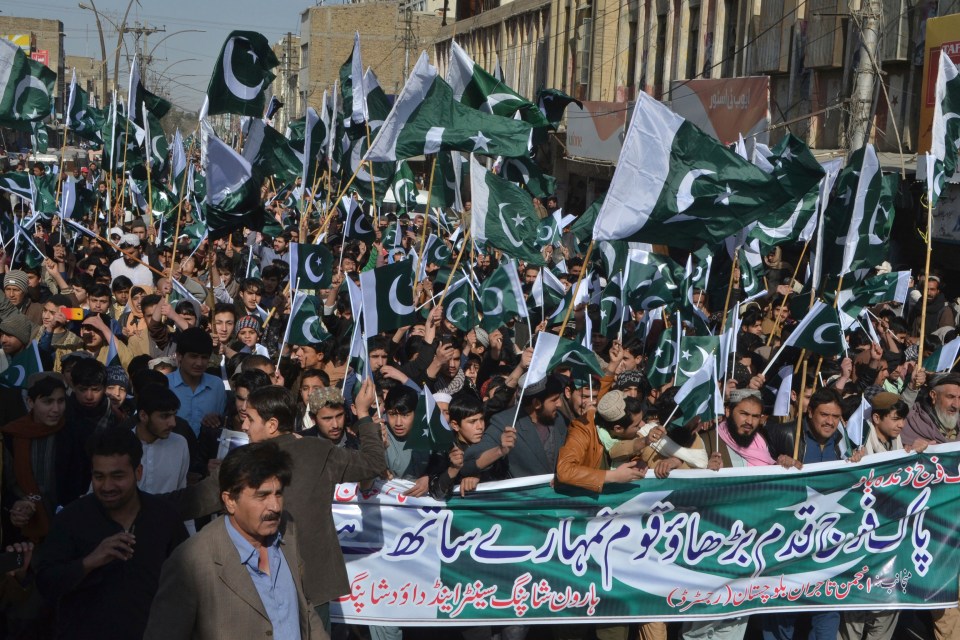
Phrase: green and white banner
(880, 534)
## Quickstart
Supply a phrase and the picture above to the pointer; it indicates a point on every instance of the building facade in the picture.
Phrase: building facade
(45, 38)
(89, 76)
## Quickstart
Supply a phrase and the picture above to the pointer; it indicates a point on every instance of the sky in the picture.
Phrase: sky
(183, 61)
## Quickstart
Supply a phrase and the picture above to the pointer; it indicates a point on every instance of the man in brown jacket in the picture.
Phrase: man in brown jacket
(271, 415)
(242, 576)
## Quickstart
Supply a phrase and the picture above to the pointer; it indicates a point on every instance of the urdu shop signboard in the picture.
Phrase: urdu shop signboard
(726, 108)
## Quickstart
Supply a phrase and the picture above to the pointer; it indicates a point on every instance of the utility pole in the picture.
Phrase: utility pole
(143, 31)
(407, 34)
(867, 73)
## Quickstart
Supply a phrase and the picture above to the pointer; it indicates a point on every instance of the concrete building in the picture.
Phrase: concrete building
(46, 44)
(89, 76)
(390, 41)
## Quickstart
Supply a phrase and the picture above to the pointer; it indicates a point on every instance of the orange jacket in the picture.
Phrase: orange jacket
(583, 459)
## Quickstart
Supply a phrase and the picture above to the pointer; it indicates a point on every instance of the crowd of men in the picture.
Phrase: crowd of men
(112, 477)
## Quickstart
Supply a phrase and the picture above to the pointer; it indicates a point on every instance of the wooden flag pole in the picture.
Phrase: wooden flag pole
(926, 280)
(456, 264)
(803, 389)
(426, 218)
(576, 287)
(726, 303)
(783, 303)
(63, 151)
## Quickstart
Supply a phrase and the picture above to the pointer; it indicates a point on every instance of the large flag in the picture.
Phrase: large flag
(887, 287)
(425, 119)
(269, 153)
(503, 215)
(311, 266)
(241, 75)
(388, 297)
(371, 179)
(233, 195)
(26, 87)
(476, 88)
(305, 325)
(501, 297)
(945, 140)
(696, 352)
(819, 331)
(22, 366)
(675, 185)
(552, 351)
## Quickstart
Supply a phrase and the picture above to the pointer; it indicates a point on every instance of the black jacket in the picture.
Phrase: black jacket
(781, 437)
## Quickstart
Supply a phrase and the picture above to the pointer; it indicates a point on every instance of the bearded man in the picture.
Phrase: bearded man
(934, 415)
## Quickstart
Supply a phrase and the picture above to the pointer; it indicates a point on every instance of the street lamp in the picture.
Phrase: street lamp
(103, 47)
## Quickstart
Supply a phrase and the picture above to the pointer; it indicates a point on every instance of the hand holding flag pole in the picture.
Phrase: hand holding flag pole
(576, 287)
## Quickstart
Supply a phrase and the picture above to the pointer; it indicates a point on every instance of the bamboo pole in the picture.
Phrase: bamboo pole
(803, 389)
(576, 287)
(63, 151)
(926, 280)
(776, 318)
(426, 218)
(726, 303)
(455, 265)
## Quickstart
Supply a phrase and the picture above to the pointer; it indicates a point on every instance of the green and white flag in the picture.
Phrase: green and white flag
(501, 297)
(655, 283)
(459, 307)
(426, 119)
(696, 352)
(18, 183)
(582, 227)
(388, 297)
(751, 270)
(39, 136)
(22, 366)
(865, 200)
(178, 164)
(404, 188)
(663, 362)
(154, 140)
(138, 98)
(613, 306)
(503, 215)
(550, 296)
(305, 326)
(699, 396)
(241, 76)
(367, 182)
(943, 358)
(945, 137)
(233, 195)
(552, 104)
(525, 171)
(356, 226)
(311, 265)
(818, 331)
(430, 432)
(436, 252)
(446, 181)
(26, 87)
(84, 119)
(476, 88)
(352, 84)
(552, 351)
(269, 153)
(675, 185)
(887, 287)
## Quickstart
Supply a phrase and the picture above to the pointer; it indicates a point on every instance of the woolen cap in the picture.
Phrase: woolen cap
(17, 326)
(249, 322)
(16, 278)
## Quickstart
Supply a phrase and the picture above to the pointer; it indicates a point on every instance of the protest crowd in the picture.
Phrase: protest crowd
(158, 311)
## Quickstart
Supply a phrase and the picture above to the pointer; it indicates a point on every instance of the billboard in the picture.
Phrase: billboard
(596, 132)
(726, 108)
(942, 33)
(21, 40)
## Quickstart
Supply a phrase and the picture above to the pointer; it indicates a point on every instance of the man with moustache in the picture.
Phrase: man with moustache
(934, 415)
(241, 576)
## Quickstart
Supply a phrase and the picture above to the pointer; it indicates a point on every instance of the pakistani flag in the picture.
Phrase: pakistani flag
(552, 103)
(446, 181)
(83, 119)
(356, 226)
(430, 432)
(404, 188)
(22, 366)
(552, 351)
(699, 396)
(155, 141)
(819, 331)
(654, 284)
(503, 215)
(425, 119)
(269, 153)
(501, 297)
(675, 185)
(18, 183)
(613, 307)
(662, 364)
(241, 75)
(696, 352)
(388, 297)
(550, 296)
(311, 265)
(525, 171)
(138, 98)
(123, 143)
(583, 226)
(476, 88)
(375, 180)
(26, 87)
(39, 136)
(436, 252)
(943, 358)
(887, 287)
(751, 270)
(178, 164)
(352, 84)
(233, 195)
(305, 326)
(945, 140)
(459, 307)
